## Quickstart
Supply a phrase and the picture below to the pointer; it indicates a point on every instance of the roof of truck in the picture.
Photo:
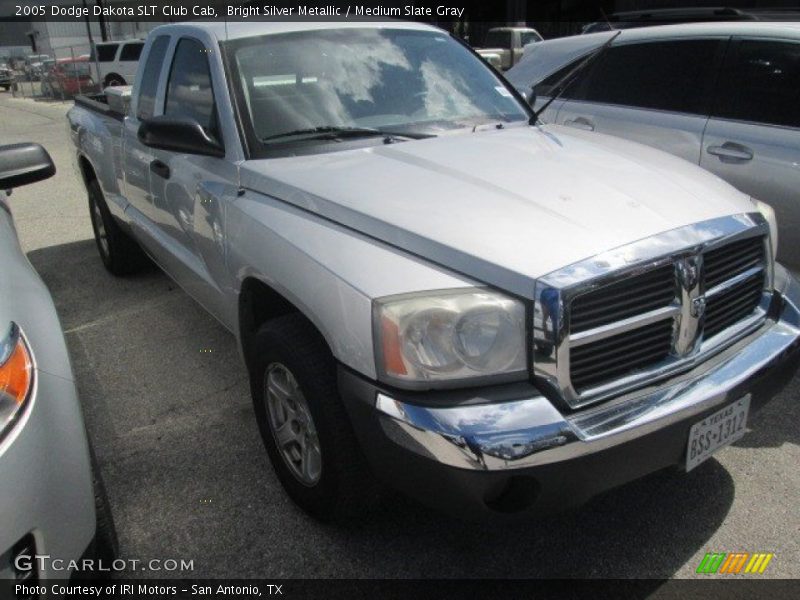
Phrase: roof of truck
(235, 30)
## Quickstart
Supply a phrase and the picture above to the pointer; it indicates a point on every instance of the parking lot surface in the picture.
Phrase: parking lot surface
(167, 405)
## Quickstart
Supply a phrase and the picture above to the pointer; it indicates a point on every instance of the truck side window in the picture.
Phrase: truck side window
(106, 52)
(131, 51)
(152, 71)
(673, 76)
(760, 84)
(527, 37)
(498, 39)
(189, 92)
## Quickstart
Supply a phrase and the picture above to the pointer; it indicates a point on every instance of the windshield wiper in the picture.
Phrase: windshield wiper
(334, 132)
(562, 84)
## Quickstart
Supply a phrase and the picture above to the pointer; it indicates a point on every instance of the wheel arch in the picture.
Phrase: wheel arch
(86, 168)
(258, 303)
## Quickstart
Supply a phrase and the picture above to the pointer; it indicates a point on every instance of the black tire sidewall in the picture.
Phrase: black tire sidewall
(96, 199)
(291, 342)
(124, 255)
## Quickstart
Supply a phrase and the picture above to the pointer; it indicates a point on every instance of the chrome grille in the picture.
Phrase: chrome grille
(733, 305)
(650, 309)
(627, 298)
(732, 259)
(734, 283)
(618, 355)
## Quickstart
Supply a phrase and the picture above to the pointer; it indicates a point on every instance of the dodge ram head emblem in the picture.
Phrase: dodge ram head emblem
(698, 306)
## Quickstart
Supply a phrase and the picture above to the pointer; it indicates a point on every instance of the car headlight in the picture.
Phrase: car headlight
(16, 375)
(449, 336)
(769, 214)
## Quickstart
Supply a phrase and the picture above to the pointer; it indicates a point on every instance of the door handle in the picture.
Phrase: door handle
(580, 123)
(160, 169)
(731, 153)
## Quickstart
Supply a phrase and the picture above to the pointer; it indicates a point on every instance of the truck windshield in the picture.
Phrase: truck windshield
(406, 81)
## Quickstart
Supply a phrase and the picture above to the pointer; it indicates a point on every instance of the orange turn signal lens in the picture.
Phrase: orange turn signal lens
(392, 355)
(16, 368)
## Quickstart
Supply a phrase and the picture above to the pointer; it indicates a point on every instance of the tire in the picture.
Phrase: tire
(120, 254)
(344, 484)
(113, 79)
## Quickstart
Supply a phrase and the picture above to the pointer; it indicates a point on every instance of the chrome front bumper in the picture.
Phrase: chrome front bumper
(531, 432)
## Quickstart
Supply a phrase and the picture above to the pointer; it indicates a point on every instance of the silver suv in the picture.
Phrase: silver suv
(721, 95)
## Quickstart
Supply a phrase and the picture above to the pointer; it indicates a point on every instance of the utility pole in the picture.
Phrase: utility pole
(92, 49)
(88, 23)
(102, 20)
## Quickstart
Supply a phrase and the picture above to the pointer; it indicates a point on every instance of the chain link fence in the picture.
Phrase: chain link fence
(58, 78)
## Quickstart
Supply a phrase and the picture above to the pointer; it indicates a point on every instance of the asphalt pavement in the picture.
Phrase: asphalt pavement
(166, 403)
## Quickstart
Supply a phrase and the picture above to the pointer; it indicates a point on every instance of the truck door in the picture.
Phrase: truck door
(190, 191)
(655, 92)
(753, 137)
(137, 156)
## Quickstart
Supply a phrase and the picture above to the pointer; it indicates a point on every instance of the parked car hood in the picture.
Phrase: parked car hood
(25, 300)
(546, 57)
(503, 206)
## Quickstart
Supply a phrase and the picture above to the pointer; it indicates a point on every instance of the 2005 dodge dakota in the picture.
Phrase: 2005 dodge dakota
(429, 287)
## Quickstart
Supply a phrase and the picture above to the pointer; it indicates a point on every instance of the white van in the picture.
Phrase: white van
(117, 61)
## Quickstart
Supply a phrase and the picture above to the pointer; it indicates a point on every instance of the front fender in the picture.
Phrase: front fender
(330, 273)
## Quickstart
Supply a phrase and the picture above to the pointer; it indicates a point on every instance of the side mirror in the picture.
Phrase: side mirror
(21, 164)
(178, 134)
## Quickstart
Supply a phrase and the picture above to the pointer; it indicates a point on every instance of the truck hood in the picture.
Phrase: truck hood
(502, 206)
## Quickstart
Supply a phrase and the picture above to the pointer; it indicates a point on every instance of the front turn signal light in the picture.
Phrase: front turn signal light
(16, 375)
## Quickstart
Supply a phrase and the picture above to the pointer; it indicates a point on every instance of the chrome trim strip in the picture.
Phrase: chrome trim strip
(684, 248)
(531, 431)
(576, 340)
(734, 281)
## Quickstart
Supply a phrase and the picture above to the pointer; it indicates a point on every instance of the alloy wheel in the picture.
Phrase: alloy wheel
(292, 425)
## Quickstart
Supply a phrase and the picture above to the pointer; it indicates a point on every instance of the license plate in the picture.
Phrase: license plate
(717, 430)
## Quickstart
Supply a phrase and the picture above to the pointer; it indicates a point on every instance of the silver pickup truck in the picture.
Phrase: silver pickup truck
(429, 287)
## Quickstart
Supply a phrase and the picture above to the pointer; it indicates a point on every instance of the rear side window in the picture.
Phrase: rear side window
(673, 76)
(527, 37)
(131, 51)
(189, 92)
(107, 52)
(498, 39)
(152, 70)
(761, 83)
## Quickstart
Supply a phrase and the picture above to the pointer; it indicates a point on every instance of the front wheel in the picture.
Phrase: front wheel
(119, 253)
(114, 80)
(303, 423)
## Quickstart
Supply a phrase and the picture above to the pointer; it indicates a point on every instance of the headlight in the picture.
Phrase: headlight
(449, 336)
(769, 214)
(16, 375)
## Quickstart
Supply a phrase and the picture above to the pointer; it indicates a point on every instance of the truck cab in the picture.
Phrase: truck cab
(507, 43)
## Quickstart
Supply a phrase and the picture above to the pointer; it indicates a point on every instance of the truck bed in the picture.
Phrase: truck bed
(112, 102)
